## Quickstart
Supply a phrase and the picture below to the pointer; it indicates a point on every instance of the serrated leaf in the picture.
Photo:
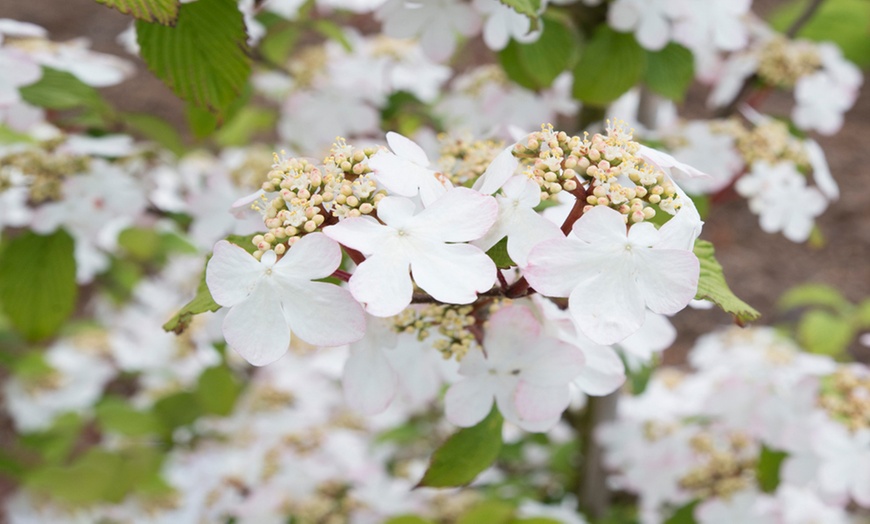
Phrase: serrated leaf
(824, 333)
(204, 58)
(767, 468)
(844, 22)
(554, 52)
(713, 287)
(201, 303)
(670, 72)
(610, 64)
(498, 253)
(161, 11)
(38, 285)
(816, 295)
(465, 455)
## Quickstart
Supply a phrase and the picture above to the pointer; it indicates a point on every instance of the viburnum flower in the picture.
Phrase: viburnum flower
(503, 24)
(270, 297)
(451, 273)
(650, 20)
(405, 171)
(524, 371)
(435, 22)
(611, 277)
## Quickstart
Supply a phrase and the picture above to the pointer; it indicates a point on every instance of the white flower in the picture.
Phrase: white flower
(271, 297)
(717, 152)
(820, 104)
(518, 221)
(648, 19)
(26, 72)
(451, 273)
(435, 22)
(712, 24)
(405, 171)
(611, 278)
(524, 371)
(503, 24)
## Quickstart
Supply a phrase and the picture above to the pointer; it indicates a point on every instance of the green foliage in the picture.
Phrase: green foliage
(844, 22)
(161, 11)
(813, 295)
(466, 453)
(201, 303)
(10, 136)
(408, 519)
(670, 72)
(712, 286)
(767, 469)
(217, 390)
(204, 58)
(155, 129)
(684, 515)
(825, 333)
(611, 63)
(535, 65)
(498, 253)
(829, 321)
(55, 443)
(488, 512)
(38, 285)
(178, 409)
(405, 113)
(62, 91)
(115, 415)
(247, 122)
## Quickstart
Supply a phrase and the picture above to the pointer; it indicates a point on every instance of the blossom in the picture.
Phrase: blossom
(450, 272)
(405, 171)
(503, 24)
(270, 297)
(435, 22)
(611, 277)
(524, 371)
(648, 19)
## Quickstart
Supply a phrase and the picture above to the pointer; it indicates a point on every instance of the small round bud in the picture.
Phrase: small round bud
(257, 239)
(649, 213)
(352, 201)
(359, 169)
(264, 246)
(569, 185)
(280, 249)
(592, 199)
(291, 231)
(345, 166)
(257, 254)
(340, 199)
(328, 196)
(654, 199)
(365, 208)
(309, 226)
(269, 237)
(318, 219)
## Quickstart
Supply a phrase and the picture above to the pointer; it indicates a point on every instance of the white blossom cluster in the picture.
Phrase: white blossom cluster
(715, 435)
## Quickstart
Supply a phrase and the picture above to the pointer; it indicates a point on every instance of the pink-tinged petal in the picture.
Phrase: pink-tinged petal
(383, 285)
(232, 274)
(499, 171)
(607, 307)
(555, 267)
(369, 382)
(452, 273)
(667, 278)
(311, 257)
(408, 149)
(468, 401)
(527, 230)
(600, 225)
(536, 403)
(604, 371)
(474, 363)
(396, 211)
(256, 328)
(460, 215)
(555, 363)
(398, 175)
(512, 330)
(364, 234)
(323, 314)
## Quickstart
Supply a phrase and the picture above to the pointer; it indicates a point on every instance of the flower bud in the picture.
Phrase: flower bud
(280, 249)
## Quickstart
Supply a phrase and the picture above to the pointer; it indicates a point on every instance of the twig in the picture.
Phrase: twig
(805, 17)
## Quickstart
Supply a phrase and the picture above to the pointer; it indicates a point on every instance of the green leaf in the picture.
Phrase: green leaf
(56, 442)
(466, 453)
(498, 253)
(204, 58)
(217, 390)
(62, 90)
(815, 295)
(247, 122)
(152, 128)
(161, 11)
(824, 333)
(38, 289)
(767, 469)
(610, 64)
(684, 515)
(862, 314)
(488, 512)
(333, 31)
(408, 519)
(712, 286)
(555, 51)
(511, 63)
(844, 22)
(118, 416)
(201, 303)
(670, 72)
(535, 520)
(10, 136)
(178, 409)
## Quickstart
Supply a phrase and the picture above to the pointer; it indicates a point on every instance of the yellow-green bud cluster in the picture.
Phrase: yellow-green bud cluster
(463, 159)
(782, 62)
(560, 162)
(770, 141)
(44, 169)
(349, 182)
(728, 465)
(450, 321)
(845, 395)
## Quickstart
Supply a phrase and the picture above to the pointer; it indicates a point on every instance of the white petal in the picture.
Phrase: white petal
(604, 371)
(256, 328)
(653, 32)
(408, 149)
(667, 279)
(396, 211)
(536, 404)
(398, 175)
(600, 225)
(323, 314)
(607, 307)
(231, 274)
(311, 257)
(382, 283)
(369, 381)
(558, 265)
(498, 172)
(526, 231)
(556, 364)
(453, 273)
(364, 234)
(460, 215)
(468, 401)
